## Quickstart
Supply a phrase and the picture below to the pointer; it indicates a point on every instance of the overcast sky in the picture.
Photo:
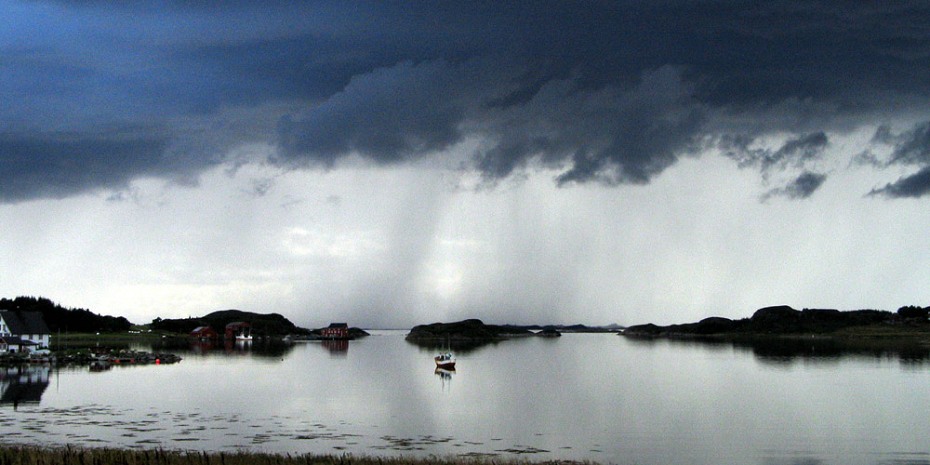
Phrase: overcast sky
(396, 163)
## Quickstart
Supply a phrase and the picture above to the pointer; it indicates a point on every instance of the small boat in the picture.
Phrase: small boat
(97, 367)
(445, 361)
(239, 331)
(244, 334)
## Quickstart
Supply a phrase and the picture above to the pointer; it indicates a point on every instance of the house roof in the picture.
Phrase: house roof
(16, 341)
(24, 322)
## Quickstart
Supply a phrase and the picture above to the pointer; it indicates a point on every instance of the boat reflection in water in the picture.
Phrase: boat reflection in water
(445, 375)
(445, 368)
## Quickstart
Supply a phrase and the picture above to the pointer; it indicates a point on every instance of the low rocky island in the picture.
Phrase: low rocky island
(350, 333)
(786, 321)
(549, 332)
(782, 335)
(543, 330)
(462, 335)
(472, 329)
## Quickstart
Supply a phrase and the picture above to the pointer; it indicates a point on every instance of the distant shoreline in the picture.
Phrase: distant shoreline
(788, 323)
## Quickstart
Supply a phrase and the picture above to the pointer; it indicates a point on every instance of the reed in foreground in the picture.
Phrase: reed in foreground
(34, 455)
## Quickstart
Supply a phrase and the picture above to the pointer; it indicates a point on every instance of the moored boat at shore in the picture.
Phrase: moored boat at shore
(445, 361)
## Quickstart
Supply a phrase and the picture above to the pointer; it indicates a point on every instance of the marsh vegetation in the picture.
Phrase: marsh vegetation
(33, 455)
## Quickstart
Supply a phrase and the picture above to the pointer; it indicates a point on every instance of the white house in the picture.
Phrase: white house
(22, 331)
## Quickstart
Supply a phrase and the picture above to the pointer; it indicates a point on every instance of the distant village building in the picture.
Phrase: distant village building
(22, 331)
(204, 333)
(239, 330)
(336, 331)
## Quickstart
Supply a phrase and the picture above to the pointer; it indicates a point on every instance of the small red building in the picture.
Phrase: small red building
(239, 330)
(336, 331)
(204, 333)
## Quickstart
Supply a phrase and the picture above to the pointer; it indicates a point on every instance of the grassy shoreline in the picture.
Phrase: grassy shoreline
(874, 333)
(38, 455)
(80, 338)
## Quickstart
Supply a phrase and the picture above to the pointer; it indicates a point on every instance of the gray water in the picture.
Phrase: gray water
(593, 397)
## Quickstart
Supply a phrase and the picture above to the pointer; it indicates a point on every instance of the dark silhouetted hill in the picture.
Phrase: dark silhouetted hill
(263, 324)
(463, 335)
(466, 329)
(784, 320)
(60, 319)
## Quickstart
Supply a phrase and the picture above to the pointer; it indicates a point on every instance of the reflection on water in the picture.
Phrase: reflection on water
(462, 346)
(594, 397)
(23, 384)
(445, 376)
(444, 373)
(336, 347)
(270, 348)
(100, 366)
(226, 347)
(785, 351)
(825, 350)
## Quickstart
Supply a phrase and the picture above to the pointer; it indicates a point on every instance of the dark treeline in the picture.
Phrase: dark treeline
(60, 319)
(913, 311)
(80, 320)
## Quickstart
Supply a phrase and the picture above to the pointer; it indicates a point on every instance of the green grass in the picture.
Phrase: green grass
(34, 455)
(902, 331)
(121, 339)
(121, 336)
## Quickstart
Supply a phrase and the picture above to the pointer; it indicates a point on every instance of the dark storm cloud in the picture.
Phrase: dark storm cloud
(908, 148)
(388, 115)
(792, 155)
(915, 185)
(911, 147)
(606, 91)
(61, 165)
(801, 188)
(795, 152)
(607, 135)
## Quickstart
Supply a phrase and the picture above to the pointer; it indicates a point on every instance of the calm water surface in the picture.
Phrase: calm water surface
(583, 396)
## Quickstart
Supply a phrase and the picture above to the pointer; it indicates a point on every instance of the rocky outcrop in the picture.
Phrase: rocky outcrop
(354, 333)
(466, 329)
(463, 335)
(576, 328)
(780, 319)
(784, 319)
(262, 324)
(712, 325)
(549, 332)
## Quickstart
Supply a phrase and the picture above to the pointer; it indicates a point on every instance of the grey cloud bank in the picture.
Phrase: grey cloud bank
(612, 92)
(394, 163)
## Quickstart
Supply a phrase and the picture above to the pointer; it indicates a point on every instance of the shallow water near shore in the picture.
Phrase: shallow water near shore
(593, 397)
